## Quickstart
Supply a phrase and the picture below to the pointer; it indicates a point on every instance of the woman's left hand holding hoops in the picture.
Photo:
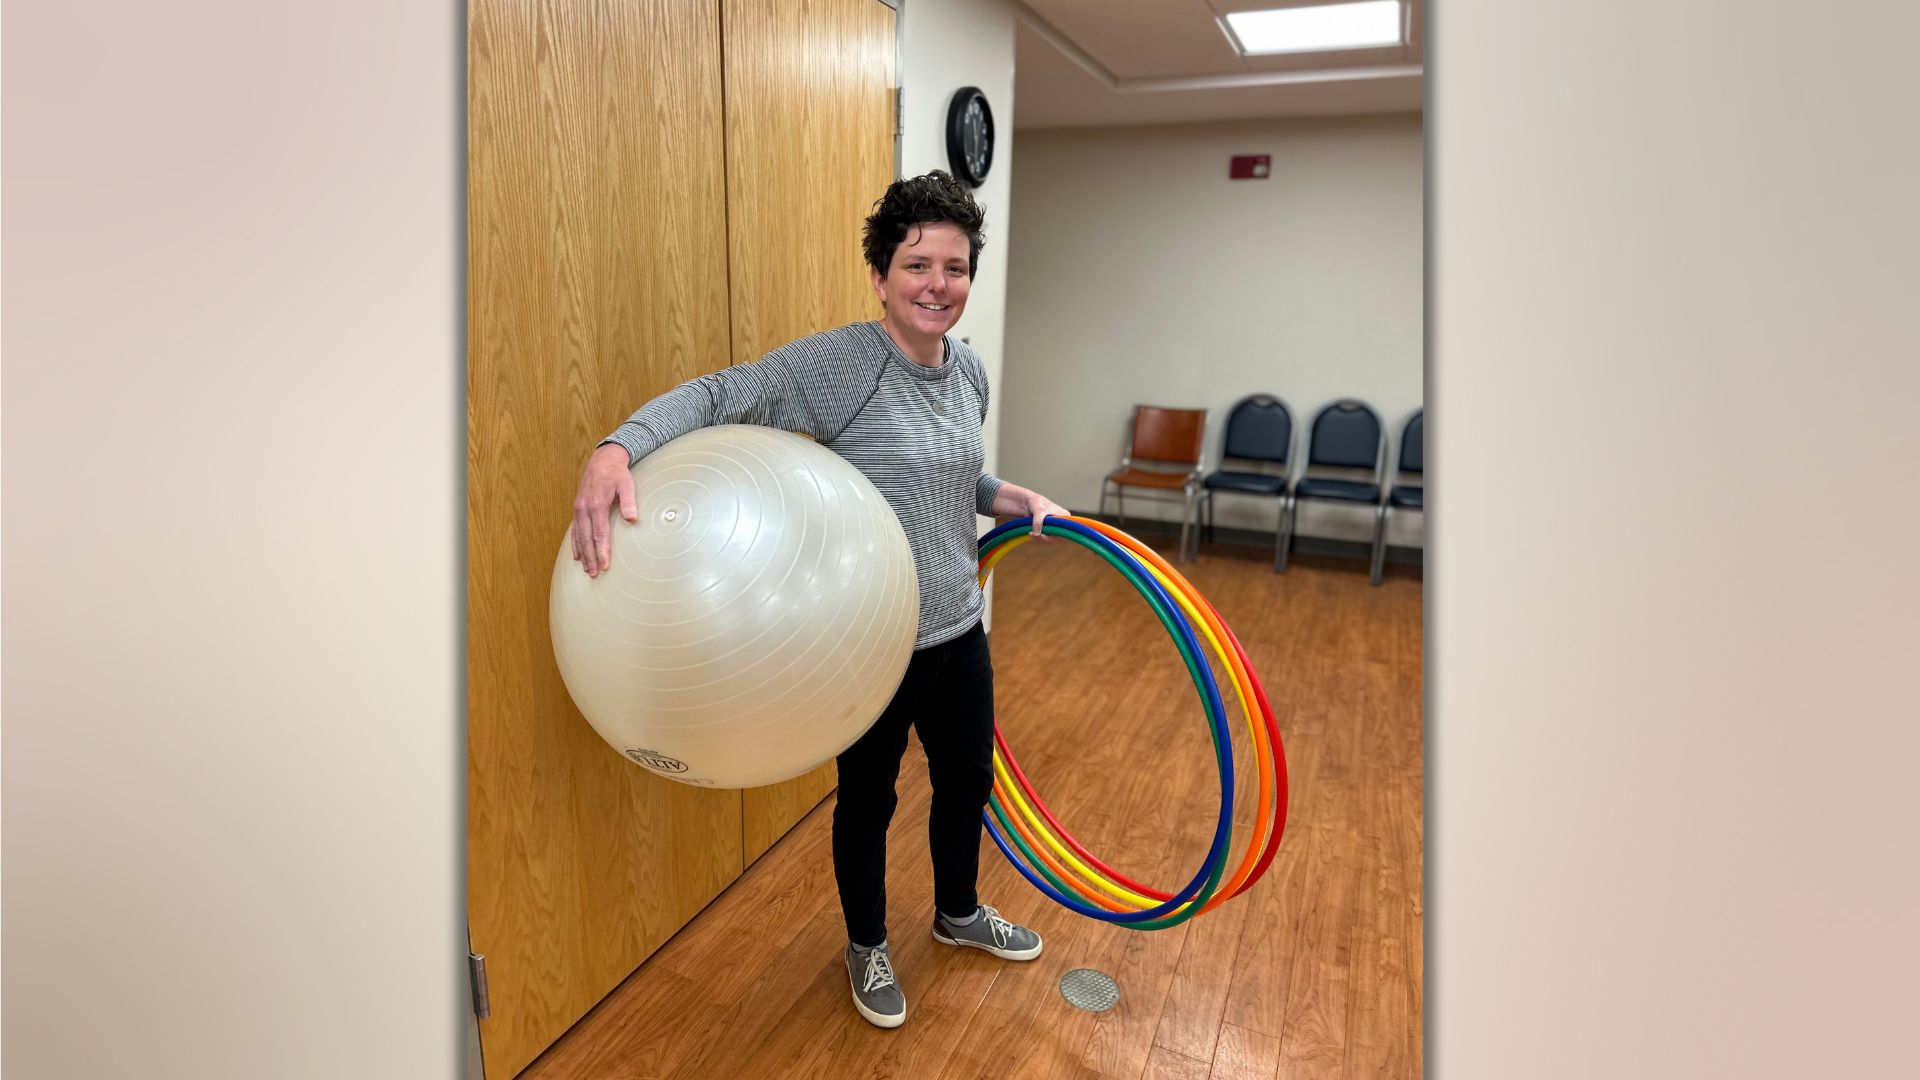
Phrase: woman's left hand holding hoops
(1018, 501)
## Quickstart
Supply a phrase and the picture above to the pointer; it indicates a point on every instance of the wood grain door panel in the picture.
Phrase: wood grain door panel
(597, 279)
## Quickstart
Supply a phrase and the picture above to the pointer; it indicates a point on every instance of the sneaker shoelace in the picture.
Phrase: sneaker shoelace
(1001, 929)
(879, 971)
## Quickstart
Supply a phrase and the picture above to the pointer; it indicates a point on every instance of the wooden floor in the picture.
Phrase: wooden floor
(1315, 972)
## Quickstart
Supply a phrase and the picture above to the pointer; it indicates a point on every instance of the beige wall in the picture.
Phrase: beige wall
(1141, 274)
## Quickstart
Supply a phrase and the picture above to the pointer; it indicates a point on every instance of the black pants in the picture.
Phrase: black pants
(947, 696)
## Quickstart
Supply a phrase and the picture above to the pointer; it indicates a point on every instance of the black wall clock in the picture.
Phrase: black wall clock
(970, 135)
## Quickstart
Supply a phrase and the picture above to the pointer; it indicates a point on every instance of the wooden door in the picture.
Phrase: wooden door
(809, 148)
(597, 278)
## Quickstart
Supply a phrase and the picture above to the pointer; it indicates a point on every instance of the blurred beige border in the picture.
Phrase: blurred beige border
(1672, 594)
(233, 441)
(1672, 606)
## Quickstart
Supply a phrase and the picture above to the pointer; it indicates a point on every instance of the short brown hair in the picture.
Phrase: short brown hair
(922, 200)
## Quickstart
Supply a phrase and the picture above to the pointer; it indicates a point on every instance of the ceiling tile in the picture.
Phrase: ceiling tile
(1152, 39)
(1064, 14)
(1159, 49)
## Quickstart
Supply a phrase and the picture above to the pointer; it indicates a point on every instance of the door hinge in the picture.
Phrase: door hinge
(899, 110)
(477, 974)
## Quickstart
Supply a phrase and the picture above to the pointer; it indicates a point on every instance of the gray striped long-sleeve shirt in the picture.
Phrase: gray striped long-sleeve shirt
(913, 431)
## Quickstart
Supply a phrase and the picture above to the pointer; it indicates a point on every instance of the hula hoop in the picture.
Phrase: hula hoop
(1049, 856)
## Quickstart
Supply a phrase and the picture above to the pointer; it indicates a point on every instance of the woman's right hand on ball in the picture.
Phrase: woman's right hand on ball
(605, 483)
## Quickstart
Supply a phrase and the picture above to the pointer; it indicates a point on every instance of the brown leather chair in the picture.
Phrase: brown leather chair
(1163, 457)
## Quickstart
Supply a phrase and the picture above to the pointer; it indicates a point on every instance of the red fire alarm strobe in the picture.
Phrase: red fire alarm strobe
(1251, 167)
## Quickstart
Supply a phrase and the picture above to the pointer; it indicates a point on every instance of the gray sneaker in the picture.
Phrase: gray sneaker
(989, 931)
(875, 994)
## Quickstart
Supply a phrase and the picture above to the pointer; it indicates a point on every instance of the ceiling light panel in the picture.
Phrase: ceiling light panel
(1363, 25)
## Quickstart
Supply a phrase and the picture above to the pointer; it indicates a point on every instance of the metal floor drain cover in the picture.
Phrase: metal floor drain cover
(1085, 988)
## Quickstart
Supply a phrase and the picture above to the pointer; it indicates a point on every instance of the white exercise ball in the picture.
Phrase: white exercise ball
(755, 621)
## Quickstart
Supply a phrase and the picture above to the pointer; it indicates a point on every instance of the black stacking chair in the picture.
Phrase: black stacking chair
(1346, 436)
(1259, 431)
(1413, 464)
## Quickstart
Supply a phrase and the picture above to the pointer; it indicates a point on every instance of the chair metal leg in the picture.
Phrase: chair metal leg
(1379, 543)
(1186, 520)
(1103, 500)
(1287, 510)
(1206, 511)
(1279, 535)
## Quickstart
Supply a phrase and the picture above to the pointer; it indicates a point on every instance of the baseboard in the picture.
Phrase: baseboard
(1302, 545)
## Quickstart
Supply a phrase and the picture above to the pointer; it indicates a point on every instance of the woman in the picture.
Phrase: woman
(902, 402)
